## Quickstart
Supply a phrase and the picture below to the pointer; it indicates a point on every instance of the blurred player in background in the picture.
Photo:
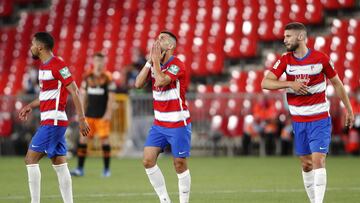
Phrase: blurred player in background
(306, 73)
(98, 90)
(55, 83)
(172, 118)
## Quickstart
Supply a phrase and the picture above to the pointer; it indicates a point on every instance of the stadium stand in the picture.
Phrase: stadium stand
(210, 33)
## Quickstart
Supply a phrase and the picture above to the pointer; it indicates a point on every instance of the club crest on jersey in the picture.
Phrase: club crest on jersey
(174, 69)
(276, 64)
(65, 73)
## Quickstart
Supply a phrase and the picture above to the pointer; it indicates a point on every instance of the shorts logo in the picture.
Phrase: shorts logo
(34, 146)
(65, 73)
(182, 152)
(322, 148)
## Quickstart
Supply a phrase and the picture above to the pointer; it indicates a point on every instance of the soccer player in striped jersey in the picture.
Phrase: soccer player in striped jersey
(172, 118)
(306, 73)
(55, 83)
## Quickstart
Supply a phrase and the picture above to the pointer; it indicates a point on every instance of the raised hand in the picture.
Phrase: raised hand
(156, 52)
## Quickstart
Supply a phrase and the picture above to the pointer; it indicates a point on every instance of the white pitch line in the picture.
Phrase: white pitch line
(132, 194)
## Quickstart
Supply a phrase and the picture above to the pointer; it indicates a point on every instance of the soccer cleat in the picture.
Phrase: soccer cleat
(106, 173)
(77, 172)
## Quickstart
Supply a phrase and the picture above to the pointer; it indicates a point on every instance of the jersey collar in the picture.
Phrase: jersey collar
(48, 61)
(167, 62)
(304, 57)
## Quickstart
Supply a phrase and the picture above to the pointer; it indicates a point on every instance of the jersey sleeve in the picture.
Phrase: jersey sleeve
(175, 71)
(328, 67)
(62, 73)
(279, 67)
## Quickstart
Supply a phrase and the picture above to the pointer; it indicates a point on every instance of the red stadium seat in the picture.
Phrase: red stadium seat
(80, 30)
(235, 126)
(6, 8)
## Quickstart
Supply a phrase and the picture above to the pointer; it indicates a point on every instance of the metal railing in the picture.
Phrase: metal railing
(211, 114)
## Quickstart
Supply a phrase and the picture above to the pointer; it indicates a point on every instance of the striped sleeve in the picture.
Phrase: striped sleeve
(63, 74)
(328, 67)
(175, 71)
(279, 67)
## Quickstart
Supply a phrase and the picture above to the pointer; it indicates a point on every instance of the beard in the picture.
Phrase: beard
(292, 47)
(35, 57)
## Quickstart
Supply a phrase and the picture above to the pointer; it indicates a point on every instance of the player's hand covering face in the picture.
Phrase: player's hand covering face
(84, 127)
(156, 54)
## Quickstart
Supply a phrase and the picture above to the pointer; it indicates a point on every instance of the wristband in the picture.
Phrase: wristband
(148, 65)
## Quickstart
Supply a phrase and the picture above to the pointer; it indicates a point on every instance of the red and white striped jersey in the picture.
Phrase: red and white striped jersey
(54, 76)
(170, 109)
(313, 70)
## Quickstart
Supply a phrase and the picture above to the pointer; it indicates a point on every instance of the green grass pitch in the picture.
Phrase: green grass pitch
(218, 180)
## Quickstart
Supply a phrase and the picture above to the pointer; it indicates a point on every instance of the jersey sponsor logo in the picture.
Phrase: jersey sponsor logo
(174, 69)
(276, 64)
(65, 73)
(95, 91)
(302, 78)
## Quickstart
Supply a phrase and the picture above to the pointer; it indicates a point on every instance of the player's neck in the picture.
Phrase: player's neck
(166, 58)
(45, 57)
(97, 72)
(301, 52)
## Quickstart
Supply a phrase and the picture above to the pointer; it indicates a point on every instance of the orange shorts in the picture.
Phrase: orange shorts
(98, 127)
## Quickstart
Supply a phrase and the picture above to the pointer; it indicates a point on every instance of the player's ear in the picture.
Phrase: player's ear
(170, 46)
(40, 47)
(300, 36)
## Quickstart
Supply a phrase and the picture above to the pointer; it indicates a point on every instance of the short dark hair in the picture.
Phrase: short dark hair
(46, 39)
(171, 34)
(295, 26)
(99, 54)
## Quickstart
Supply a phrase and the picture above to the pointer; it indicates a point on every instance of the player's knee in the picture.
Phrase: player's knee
(148, 163)
(319, 163)
(105, 141)
(307, 165)
(28, 160)
(180, 165)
